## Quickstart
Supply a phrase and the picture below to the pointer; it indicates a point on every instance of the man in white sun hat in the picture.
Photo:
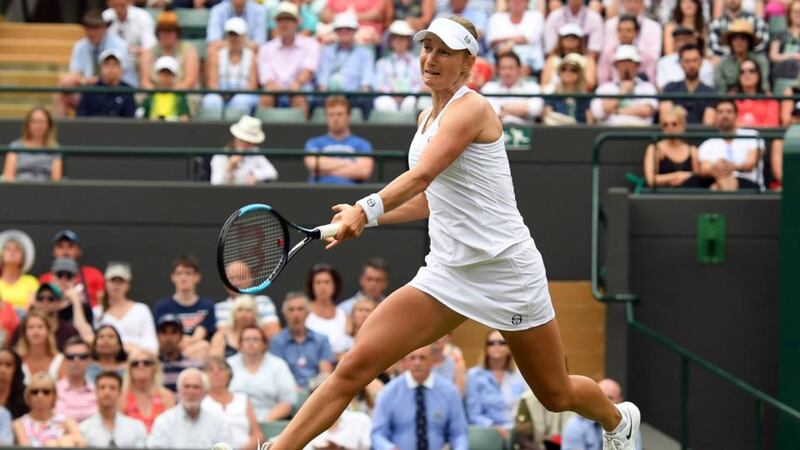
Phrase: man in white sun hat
(613, 111)
(243, 169)
(398, 71)
(170, 106)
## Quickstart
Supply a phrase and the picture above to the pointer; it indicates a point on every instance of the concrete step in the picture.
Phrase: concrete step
(35, 31)
(14, 110)
(19, 60)
(28, 77)
(36, 47)
(25, 97)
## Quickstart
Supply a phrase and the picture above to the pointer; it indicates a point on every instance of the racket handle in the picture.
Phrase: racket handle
(329, 230)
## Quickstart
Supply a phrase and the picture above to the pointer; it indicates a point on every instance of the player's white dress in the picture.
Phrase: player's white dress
(483, 262)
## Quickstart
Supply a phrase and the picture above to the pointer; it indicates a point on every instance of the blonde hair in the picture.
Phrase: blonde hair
(351, 323)
(158, 373)
(483, 361)
(243, 302)
(679, 112)
(474, 32)
(23, 345)
(50, 137)
(40, 380)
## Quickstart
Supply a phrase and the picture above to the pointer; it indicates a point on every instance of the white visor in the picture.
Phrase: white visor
(453, 34)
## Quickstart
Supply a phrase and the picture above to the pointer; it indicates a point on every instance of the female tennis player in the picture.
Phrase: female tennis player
(482, 265)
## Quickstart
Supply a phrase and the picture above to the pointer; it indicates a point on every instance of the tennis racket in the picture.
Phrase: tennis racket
(254, 244)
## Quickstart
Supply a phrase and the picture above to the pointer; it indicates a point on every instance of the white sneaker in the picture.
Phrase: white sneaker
(626, 438)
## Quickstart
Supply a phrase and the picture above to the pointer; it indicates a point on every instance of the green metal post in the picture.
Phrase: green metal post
(684, 403)
(759, 427)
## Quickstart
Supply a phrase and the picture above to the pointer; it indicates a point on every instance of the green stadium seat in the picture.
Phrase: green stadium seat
(154, 12)
(272, 429)
(208, 114)
(233, 114)
(193, 22)
(200, 45)
(293, 115)
(777, 25)
(318, 116)
(781, 84)
(485, 438)
(393, 117)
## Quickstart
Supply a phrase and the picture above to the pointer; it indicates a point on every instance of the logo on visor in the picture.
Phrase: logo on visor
(467, 39)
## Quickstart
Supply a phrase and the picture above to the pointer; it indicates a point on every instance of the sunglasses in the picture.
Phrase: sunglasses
(67, 275)
(46, 298)
(748, 70)
(77, 356)
(35, 392)
(142, 363)
(495, 342)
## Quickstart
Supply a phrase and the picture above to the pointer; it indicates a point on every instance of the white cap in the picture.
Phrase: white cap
(166, 63)
(401, 28)
(248, 129)
(345, 20)
(118, 270)
(627, 53)
(112, 52)
(287, 9)
(570, 29)
(453, 34)
(236, 25)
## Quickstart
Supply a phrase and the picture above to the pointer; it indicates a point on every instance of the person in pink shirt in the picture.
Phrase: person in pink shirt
(628, 33)
(76, 395)
(648, 41)
(369, 13)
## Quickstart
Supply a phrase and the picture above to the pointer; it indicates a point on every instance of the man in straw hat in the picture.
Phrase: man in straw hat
(733, 11)
(742, 42)
(241, 169)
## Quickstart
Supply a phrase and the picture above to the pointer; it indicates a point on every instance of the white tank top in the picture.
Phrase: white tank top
(473, 211)
(234, 76)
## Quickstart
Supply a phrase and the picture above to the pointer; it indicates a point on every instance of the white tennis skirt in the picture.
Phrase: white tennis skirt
(508, 292)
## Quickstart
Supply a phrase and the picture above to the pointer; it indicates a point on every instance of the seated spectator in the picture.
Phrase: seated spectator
(309, 16)
(76, 394)
(372, 283)
(417, 14)
(16, 259)
(510, 80)
(170, 106)
(105, 103)
(343, 66)
(108, 353)
(471, 12)
(134, 25)
(169, 44)
(132, 319)
(742, 41)
(235, 408)
(535, 426)
(12, 383)
(398, 71)
(627, 34)
(789, 106)
(438, 410)
(267, 315)
(9, 321)
(784, 50)
(732, 163)
(494, 386)
(648, 39)
(672, 162)
(248, 10)
(362, 308)
(669, 68)
(446, 366)
(698, 110)
(232, 66)
(576, 13)
(733, 14)
(520, 31)
(244, 314)
(38, 131)
(188, 424)
(350, 432)
(263, 377)
(195, 312)
(581, 433)
(571, 80)
(144, 398)
(637, 111)
(67, 244)
(170, 334)
(689, 17)
(369, 13)
(69, 303)
(481, 73)
(570, 40)
(84, 64)
(776, 153)
(42, 426)
(288, 61)
(338, 169)
(323, 285)
(37, 347)
(755, 112)
(48, 302)
(243, 169)
(108, 427)
(6, 432)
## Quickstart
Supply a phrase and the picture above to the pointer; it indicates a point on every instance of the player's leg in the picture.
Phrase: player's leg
(406, 320)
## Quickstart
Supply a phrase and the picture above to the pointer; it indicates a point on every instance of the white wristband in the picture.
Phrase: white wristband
(372, 206)
(371, 224)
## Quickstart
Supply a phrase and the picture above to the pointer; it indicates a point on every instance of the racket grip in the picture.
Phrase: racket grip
(329, 230)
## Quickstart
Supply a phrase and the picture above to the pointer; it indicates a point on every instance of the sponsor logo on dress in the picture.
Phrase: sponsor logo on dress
(516, 319)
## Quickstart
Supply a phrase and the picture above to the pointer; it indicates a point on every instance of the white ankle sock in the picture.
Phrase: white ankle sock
(622, 423)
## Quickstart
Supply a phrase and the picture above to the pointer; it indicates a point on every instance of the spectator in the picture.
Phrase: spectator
(776, 153)
(236, 408)
(398, 71)
(627, 34)
(362, 308)
(188, 424)
(84, 64)
(669, 70)
(17, 255)
(338, 169)
(672, 162)
(369, 13)
(687, 16)
(309, 15)
(446, 366)
(9, 321)
(323, 285)
(67, 244)
(48, 302)
(494, 386)
(169, 44)
(225, 342)
(732, 163)
(518, 30)
(733, 14)
(76, 394)
(243, 169)
(648, 40)
(535, 427)
(134, 25)
(342, 65)
(232, 66)
(132, 319)
(6, 432)
(239, 273)
(350, 432)
(755, 112)
(742, 42)
(108, 353)
(109, 104)
(481, 73)
(467, 10)
(438, 413)
(42, 426)
(308, 353)
(789, 106)
(144, 398)
(698, 110)
(288, 61)
(195, 312)
(784, 50)
(37, 347)
(68, 304)
(373, 282)
(12, 383)
(571, 80)
(38, 132)
(570, 40)
(170, 106)
(263, 377)
(170, 334)
(510, 80)
(108, 427)
(638, 111)
(581, 433)
(576, 13)
(416, 14)
(248, 10)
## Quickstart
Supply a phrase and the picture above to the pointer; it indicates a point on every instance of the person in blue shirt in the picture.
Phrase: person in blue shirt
(254, 14)
(343, 66)
(108, 104)
(308, 353)
(581, 433)
(419, 405)
(338, 169)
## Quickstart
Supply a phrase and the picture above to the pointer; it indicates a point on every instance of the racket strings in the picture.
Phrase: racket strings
(253, 249)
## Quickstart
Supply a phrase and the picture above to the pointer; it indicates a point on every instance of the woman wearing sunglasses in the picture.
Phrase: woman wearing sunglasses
(755, 112)
(672, 162)
(571, 80)
(144, 394)
(42, 427)
(494, 386)
(37, 347)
